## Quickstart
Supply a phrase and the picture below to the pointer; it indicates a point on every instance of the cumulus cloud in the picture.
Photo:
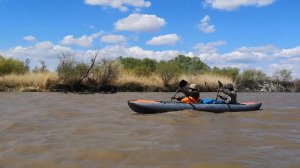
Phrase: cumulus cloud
(204, 26)
(137, 52)
(83, 41)
(122, 5)
(114, 39)
(288, 53)
(234, 4)
(29, 38)
(244, 57)
(209, 48)
(168, 39)
(140, 23)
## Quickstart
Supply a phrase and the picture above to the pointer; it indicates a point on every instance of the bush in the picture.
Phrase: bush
(140, 67)
(297, 85)
(11, 66)
(228, 72)
(70, 71)
(190, 65)
(251, 79)
(167, 71)
(105, 72)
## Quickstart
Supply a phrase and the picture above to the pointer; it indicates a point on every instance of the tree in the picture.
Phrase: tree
(251, 79)
(167, 71)
(11, 65)
(26, 64)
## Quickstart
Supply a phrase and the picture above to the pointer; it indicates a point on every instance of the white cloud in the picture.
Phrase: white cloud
(168, 39)
(122, 5)
(234, 4)
(209, 48)
(137, 52)
(83, 41)
(29, 38)
(244, 57)
(290, 52)
(140, 23)
(114, 39)
(204, 26)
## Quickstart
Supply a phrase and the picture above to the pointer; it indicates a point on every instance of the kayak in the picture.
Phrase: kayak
(155, 106)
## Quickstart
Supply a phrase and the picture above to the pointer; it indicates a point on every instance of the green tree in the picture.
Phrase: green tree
(167, 71)
(251, 79)
(227, 71)
(11, 65)
(190, 64)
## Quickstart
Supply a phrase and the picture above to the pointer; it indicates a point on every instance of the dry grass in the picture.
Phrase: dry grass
(28, 81)
(41, 81)
(202, 80)
(129, 78)
(210, 79)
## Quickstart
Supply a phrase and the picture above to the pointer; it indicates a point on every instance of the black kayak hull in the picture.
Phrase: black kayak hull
(153, 106)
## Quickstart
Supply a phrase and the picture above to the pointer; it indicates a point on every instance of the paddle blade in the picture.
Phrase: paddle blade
(220, 84)
(183, 83)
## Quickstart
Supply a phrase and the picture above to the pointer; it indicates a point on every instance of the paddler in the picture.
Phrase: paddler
(191, 94)
(229, 94)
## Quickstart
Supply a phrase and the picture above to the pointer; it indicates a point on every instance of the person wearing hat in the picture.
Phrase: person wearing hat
(191, 94)
(229, 95)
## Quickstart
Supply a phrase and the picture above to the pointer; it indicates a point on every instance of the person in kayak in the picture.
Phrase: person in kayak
(229, 95)
(191, 94)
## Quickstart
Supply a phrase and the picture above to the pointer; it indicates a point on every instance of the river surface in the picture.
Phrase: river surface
(57, 130)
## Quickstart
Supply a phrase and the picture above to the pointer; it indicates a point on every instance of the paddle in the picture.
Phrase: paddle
(182, 84)
(220, 86)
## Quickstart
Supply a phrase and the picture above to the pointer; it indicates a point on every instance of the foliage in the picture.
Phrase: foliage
(26, 64)
(70, 71)
(297, 85)
(140, 67)
(190, 65)
(11, 66)
(229, 72)
(42, 68)
(105, 72)
(167, 71)
(283, 76)
(251, 79)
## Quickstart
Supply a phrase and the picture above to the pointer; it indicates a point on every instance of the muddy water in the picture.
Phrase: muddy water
(99, 130)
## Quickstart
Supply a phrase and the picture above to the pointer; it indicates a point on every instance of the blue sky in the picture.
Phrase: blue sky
(259, 34)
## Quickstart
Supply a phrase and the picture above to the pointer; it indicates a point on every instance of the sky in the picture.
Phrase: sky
(247, 34)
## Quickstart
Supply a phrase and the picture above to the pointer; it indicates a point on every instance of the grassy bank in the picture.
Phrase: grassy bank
(28, 82)
(31, 82)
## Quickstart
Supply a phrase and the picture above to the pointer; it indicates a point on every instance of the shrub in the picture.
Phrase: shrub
(190, 65)
(251, 79)
(105, 72)
(140, 67)
(228, 72)
(167, 71)
(11, 66)
(70, 71)
(297, 85)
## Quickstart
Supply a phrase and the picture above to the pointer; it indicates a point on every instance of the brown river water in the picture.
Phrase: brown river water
(57, 130)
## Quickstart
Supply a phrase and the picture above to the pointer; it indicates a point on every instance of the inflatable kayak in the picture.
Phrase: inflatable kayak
(154, 106)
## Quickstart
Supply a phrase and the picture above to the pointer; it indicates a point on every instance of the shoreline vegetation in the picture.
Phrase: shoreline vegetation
(134, 75)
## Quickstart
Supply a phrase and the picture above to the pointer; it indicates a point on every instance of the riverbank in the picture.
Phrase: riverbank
(126, 82)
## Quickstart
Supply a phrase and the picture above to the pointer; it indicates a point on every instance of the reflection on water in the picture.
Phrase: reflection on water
(99, 130)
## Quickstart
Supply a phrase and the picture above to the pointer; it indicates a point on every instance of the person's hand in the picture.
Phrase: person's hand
(220, 90)
(172, 98)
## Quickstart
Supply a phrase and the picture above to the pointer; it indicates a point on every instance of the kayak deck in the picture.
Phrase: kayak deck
(155, 106)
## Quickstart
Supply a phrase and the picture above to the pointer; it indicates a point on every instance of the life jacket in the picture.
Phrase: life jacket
(189, 100)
